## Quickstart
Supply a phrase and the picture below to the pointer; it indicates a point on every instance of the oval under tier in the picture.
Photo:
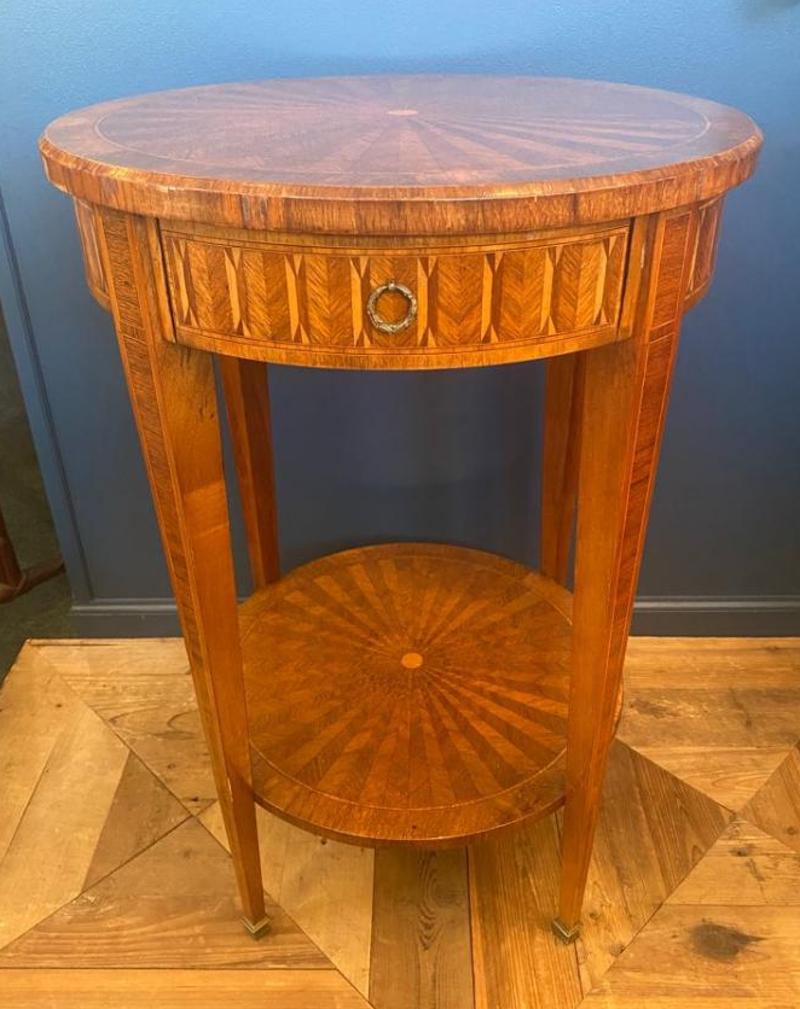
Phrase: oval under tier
(408, 693)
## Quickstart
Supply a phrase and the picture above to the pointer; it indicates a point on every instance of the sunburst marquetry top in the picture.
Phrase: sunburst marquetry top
(408, 692)
(403, 154)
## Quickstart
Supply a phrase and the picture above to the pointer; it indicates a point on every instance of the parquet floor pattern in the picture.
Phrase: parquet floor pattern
(116, 890)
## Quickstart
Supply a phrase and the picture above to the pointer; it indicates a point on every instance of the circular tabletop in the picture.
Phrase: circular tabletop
(401, 154)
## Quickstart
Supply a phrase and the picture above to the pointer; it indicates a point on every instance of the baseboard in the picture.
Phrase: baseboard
(687, 616)
(125, 618)
(717, 616)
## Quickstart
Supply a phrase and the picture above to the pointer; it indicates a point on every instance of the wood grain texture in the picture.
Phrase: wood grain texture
(153, 711)
(401, 155)
(704, 253)
(625, 391)
(721, 714)
(746, 866)
(411, 693)
(325, 886)
(407, 695)
(174, 403)
(172, 904)
(519, 963)
(68, 784)
(37, 708)
(653, 830)
(247, 403)
(502, 300)
(421, 931)
(775, 808)
(171, 907)
(143, 691)
(178, 989)
(563, 406)
(92, 261)
(746, 957)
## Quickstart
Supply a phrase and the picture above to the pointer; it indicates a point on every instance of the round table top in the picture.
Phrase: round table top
(401, 154)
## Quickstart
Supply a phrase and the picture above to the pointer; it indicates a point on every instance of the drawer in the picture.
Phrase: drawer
(404, 305)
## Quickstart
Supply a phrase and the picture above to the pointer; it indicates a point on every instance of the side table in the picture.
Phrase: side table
(414, 693)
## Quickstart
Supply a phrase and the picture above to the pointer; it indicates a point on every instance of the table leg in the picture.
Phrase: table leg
(246, 390)
(174, 402)
(562, 413)
(625, 392)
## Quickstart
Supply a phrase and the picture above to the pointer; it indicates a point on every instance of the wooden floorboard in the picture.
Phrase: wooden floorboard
(519, 963)
(420, 931)
(177, 989)
(143, 690)
(114, 891)
(776, 806)
(653, 829)
(745, 867)
(325, 886)
(719, 713)
(80, 803)
(708, 955)
(173, 906)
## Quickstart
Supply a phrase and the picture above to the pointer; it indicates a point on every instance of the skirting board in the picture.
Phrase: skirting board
(687, 616)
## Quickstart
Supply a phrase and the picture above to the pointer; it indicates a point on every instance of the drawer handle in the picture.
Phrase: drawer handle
(378, 320)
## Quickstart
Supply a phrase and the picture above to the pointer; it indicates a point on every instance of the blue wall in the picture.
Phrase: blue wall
(450, 455)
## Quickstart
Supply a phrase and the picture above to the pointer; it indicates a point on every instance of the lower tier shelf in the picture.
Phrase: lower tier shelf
(408, 693)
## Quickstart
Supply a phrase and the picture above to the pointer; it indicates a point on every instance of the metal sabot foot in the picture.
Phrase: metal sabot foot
(257, 929)
(566, 935)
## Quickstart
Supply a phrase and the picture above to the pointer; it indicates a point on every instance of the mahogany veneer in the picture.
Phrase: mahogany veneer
(414, 694)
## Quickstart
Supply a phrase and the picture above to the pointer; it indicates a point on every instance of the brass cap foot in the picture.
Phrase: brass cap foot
(566, 935)
(258, 928)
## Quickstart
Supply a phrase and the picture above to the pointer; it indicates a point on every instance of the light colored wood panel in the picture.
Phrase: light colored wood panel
(173, 906)
(708, 957)
(745, 867)
(653, 829)
(143, 690)
(178, 989)
(142, 811)
(730, 775)
(519, 963)
(720, 713)
(273, 835)
(325, 886)
(715, 663)
(36, 708)
(775, 808)
(421, 932)
(727, 935)
(742, 716)
(53, 847)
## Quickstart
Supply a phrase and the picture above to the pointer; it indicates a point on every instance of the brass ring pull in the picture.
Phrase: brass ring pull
(378, 320)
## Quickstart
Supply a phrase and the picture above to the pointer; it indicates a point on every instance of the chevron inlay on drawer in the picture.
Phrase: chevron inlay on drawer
(317, 296)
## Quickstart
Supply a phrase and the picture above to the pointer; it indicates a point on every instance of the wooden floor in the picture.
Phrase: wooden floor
(116, 890)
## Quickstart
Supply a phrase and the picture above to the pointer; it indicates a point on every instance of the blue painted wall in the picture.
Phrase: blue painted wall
(450, 455)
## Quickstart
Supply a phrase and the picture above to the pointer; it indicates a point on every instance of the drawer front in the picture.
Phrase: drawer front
(295, 303)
